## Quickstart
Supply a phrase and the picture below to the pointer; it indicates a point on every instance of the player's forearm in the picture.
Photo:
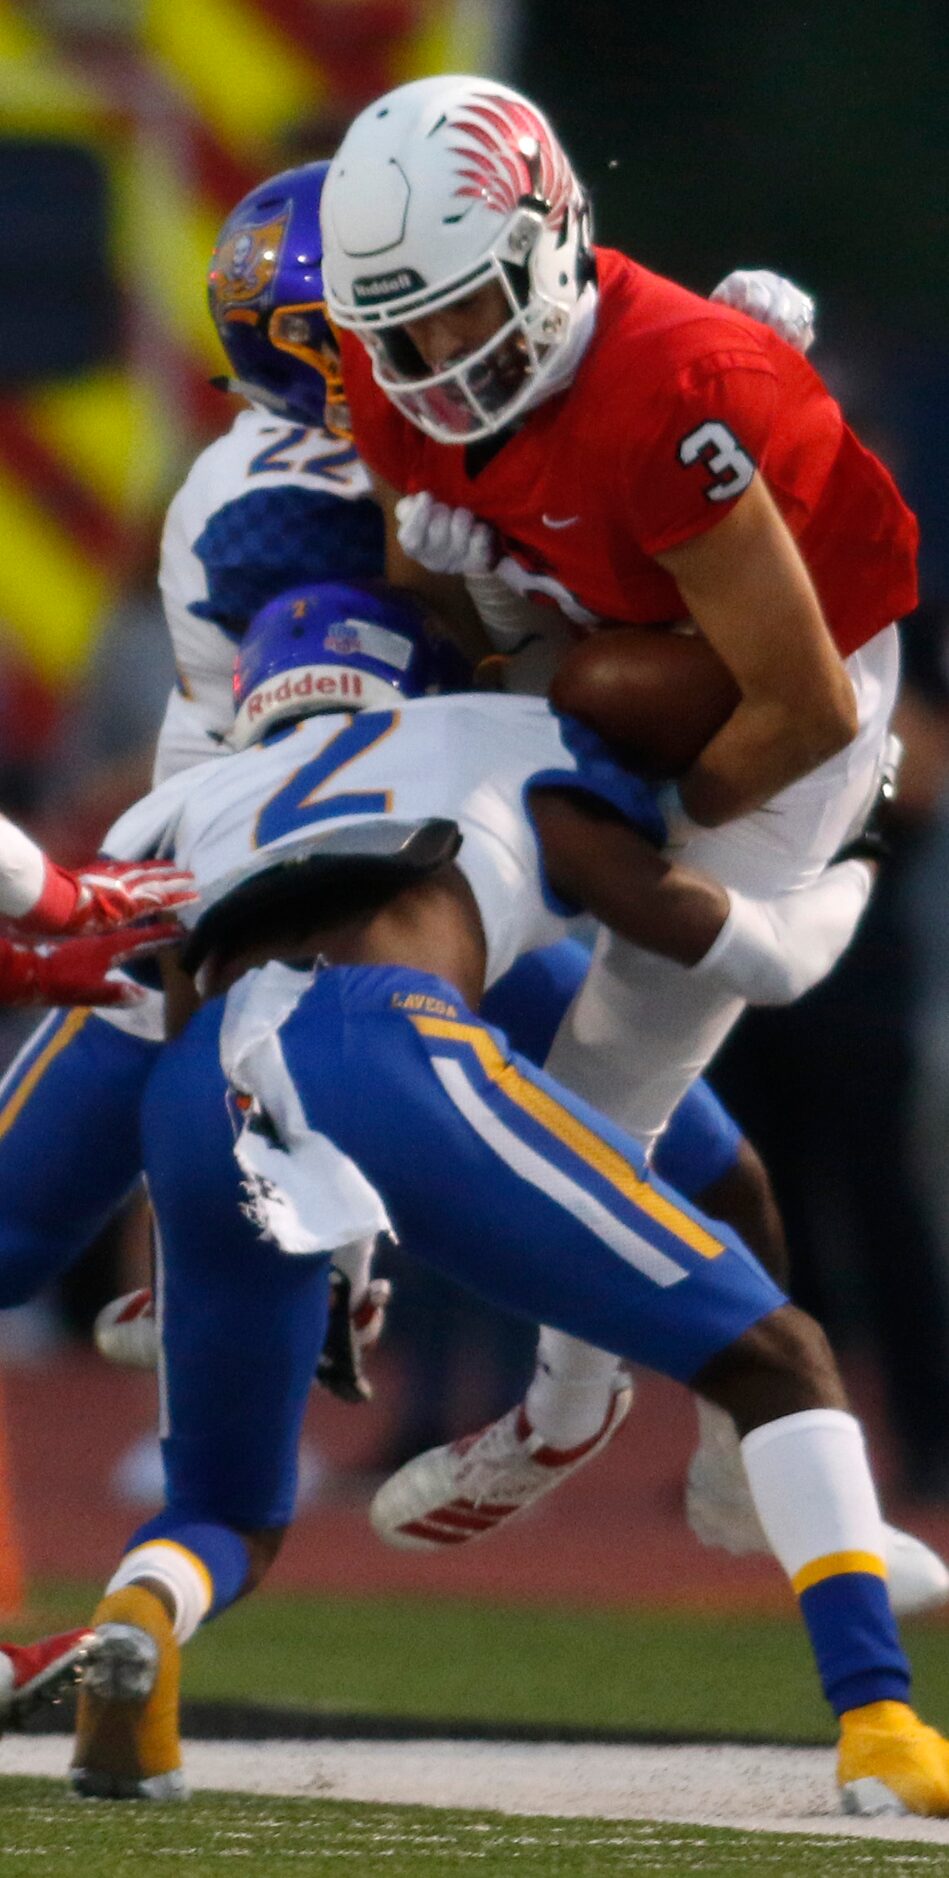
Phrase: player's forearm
(597, 862)
(449, 600)
(181, 996)
(749, 592)
(767, 952)
(766, 745)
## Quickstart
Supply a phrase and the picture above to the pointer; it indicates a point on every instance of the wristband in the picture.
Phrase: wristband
(57, 902)
(741, 948)
(772, 951)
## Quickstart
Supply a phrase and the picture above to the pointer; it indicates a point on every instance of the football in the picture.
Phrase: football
(655, 696)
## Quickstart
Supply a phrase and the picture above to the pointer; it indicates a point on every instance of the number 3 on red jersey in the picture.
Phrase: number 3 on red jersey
(731, 466)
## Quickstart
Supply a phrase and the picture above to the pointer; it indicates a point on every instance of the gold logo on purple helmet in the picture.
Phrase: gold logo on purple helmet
(245, 263)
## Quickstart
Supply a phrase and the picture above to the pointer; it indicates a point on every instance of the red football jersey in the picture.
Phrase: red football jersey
(677, 400)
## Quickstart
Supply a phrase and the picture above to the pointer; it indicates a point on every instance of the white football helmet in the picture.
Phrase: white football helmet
(438, 188)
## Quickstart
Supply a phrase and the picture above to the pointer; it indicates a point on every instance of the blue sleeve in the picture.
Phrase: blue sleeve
(531, 1000)
(257, 546)
(599, 774)
(700, 1144)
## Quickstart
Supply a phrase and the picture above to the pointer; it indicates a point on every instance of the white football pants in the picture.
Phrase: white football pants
(642, 1028)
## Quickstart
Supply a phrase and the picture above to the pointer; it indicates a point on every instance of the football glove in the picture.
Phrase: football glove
(445, 540)
(772, 300)
(351, 1330)
(76, 971)
(106, 894)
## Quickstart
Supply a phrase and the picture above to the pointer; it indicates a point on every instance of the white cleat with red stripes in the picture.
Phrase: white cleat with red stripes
(720, 1511)
(126, 1331)
(451, 1495)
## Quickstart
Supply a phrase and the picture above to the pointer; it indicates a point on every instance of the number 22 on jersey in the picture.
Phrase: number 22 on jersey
(293, 450)
(300, 802)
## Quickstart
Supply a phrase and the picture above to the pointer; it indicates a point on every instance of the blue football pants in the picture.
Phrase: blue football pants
(507, 1184)
(70, 1140)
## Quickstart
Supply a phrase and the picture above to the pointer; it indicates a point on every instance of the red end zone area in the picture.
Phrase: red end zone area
(615, 1534)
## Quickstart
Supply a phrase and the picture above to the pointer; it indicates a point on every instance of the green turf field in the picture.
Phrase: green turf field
(43, 1832)
(644, 1671)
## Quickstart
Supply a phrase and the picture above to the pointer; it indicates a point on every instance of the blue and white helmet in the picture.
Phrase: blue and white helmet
(265, 291)
(335, 647)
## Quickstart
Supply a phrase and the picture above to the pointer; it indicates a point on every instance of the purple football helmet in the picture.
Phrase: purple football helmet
(358, 646)
(265, 289)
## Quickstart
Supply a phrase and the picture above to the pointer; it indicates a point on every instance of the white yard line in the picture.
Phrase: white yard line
(753, 1789)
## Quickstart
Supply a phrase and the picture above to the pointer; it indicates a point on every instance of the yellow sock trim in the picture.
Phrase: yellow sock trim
(834, 1565)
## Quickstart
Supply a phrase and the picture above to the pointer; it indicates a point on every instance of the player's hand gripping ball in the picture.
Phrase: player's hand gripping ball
(657, 697)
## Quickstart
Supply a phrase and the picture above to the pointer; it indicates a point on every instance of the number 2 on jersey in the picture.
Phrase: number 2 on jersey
(298, 802)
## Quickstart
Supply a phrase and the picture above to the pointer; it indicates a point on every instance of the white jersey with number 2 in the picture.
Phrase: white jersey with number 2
(467, 759)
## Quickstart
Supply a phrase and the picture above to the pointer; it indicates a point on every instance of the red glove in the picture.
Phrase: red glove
(74, 972)
(106, 894)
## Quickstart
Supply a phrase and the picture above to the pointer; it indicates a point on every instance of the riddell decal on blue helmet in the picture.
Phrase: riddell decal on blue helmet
(335, 647)
(265, 290)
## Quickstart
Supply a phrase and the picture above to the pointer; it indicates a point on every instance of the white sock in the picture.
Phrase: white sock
(179, 1572)
(812, 1488)
(571, 1390)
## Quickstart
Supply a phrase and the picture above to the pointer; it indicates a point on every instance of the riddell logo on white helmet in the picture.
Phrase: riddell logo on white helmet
(305, 691)
(387, 286)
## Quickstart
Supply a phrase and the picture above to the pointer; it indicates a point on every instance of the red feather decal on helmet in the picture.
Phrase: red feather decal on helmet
(510, 153)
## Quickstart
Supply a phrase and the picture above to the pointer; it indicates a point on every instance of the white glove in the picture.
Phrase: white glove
(772, 951)
(446, 541)
(774, 301)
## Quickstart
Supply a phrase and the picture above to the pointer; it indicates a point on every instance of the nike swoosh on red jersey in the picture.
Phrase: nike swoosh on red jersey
(568, 521)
